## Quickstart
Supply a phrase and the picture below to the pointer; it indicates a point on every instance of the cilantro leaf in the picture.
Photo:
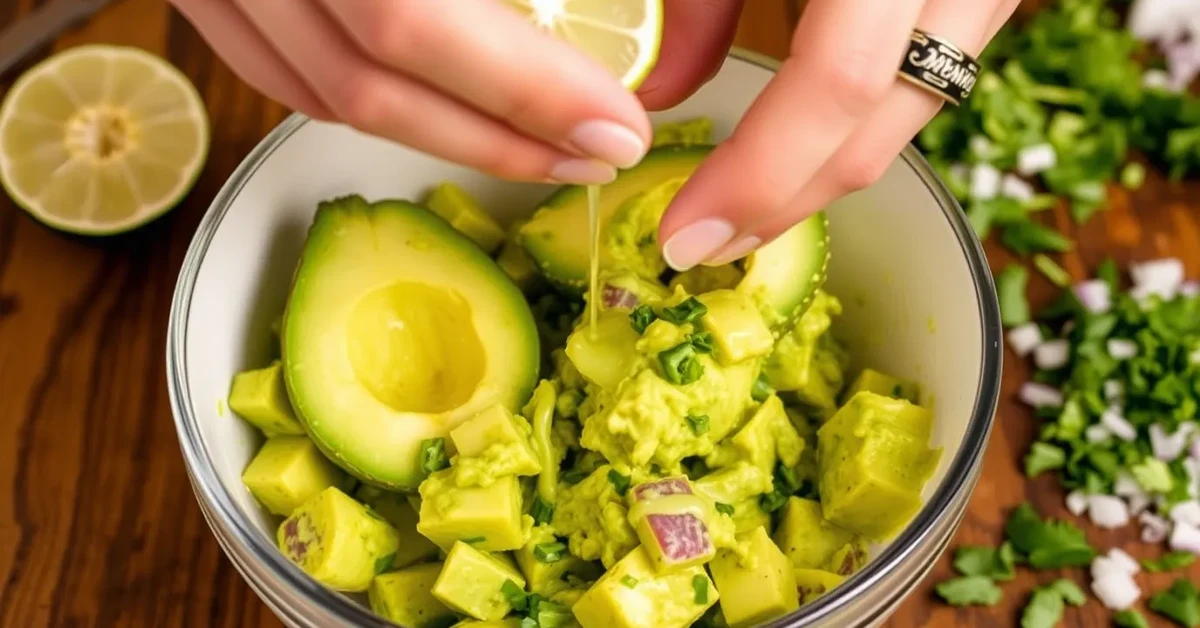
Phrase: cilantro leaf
(1010, 288)
(1049, 544)
(1181, 603)
(997, 564)
(1044, 457)
(1045, 609)
(1169, 562)
(1070, 592)
(969, 591)
(1130, 618)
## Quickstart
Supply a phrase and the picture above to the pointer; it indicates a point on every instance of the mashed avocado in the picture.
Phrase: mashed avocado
(697, 457)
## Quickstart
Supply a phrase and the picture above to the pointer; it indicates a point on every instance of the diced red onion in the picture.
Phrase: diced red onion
(1116, 590)
(681, 538)
(1052, 354)
(1138, 503)
(1095, 295)
(1040, 395)
(985, 181)
(1185, 537)
(1121, 348)
(616, 297)
(1114, 390)
(1164, 274)
(1189, 288)
(1124, 561)
(1023, 339)
(1167, 447)
(662, 488)
(1122, 429)
(1096, 434)
(1107, 511)
(1015, 187)
(1034, 159)
(1126, 485)
(1077, 503)
(1154, 528)
(1186, 512)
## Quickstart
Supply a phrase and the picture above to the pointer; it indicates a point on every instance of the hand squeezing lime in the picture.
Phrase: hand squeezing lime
(101, 139)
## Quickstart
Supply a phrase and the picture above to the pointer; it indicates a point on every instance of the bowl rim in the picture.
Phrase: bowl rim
(956, 485)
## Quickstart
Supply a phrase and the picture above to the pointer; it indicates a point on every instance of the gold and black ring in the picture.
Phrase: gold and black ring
(939, 67)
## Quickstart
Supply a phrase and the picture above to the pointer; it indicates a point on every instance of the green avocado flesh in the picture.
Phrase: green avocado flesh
(782, 276)
(397, 329)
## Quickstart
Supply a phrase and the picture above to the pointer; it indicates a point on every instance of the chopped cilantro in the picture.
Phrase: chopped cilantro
(997, 564)
(1052, 271)
(641, 317)
(1130, 618)
(1010, 288)
(541, 511)
(700, 586)
(1180, 603)
(724, 509)
(1030, 237)
(1045, 609)
(1169, 562)
(1047, 544)
(549, 552)
(969, 591)
(686, 312)
(433, 455)
(619, 481)
(1070, 592)
(629, 581)
(698, 423)
(1153, 475)
(1044, 457)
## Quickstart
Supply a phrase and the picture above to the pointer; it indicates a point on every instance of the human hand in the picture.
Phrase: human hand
(474, 83)
(830, 122)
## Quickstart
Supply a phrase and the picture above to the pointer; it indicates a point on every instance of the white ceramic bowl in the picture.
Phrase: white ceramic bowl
(918, 297)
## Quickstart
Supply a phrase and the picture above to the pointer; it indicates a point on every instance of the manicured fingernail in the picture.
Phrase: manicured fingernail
(695, 242)
(583, 172)
(736, 251)
(609, 141)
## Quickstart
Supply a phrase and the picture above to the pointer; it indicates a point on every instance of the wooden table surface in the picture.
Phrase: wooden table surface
(98, 526)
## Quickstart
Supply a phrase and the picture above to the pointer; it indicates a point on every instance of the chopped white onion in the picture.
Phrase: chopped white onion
(1126, 485)
(1194, 450)
(1167, 447)
(1186, 512)
(1121, 348)
(1189, 288)
(1185, 537)
(1015, 187)
(1141, 294)
(1096, 434)
(1034, 159)
(1052, 354)
(1095, 295)
(985, 182)
(1155, 78)
(1114, 390)
(1039, 395)
(1104, 566)
(1191, 466)
(1107, 511)
(1116, 590)
(1123, 560)
(982, 148)
(1138, 503)
(1158, 275)
(1150, 20)
(1024, 338)
(1154, 528)
(1077, 503)
(1122, 429)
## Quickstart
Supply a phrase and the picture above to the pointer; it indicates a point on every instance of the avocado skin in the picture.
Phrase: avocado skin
(389, 228)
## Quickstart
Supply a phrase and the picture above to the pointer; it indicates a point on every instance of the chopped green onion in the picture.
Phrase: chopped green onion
(700, 586)
(619, 481)
(1029, 237)
(433, 455)
(679, 364)
(474, 540)
(549, 552)
(541, 511)
(1010, 289)
(514, 594)
(761, 389)
(698, 423)
(688, 311)
(702, 342)
(641, 317)
(629, 581)
(1052, 271)
(770, 502)
(724, 509)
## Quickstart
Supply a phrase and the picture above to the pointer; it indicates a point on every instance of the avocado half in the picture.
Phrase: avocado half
(397, 329)
(782, 276)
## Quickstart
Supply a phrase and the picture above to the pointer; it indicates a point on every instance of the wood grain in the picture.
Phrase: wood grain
(98, 526)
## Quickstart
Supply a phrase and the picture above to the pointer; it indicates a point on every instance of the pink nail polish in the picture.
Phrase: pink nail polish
(696, 242)
(609, 142)
(736, 251)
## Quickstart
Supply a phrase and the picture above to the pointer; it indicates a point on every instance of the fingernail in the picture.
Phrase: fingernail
(736, 251)
(583, 172)
(695, 242)
(609, 141)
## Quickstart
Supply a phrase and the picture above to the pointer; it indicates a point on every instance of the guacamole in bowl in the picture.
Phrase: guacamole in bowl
(460, 427)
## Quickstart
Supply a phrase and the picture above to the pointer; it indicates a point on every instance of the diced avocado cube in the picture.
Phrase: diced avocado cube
(472, 582)
(874, 460)
(465, 214)
(813, 583)
(406, 598)
(516, 263)
(737, 327)
(413, 548)
(499, 441)
(632, 595)
(542, 574)
(759, 591)
(606, 355)
(766, 438)
(568, 596)
(806, 538)
(849, 559)
(701, 279)
(488, 517)
(881, 384)
(338, 541)
(260, 397)
(287, 471)
(807, 360)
